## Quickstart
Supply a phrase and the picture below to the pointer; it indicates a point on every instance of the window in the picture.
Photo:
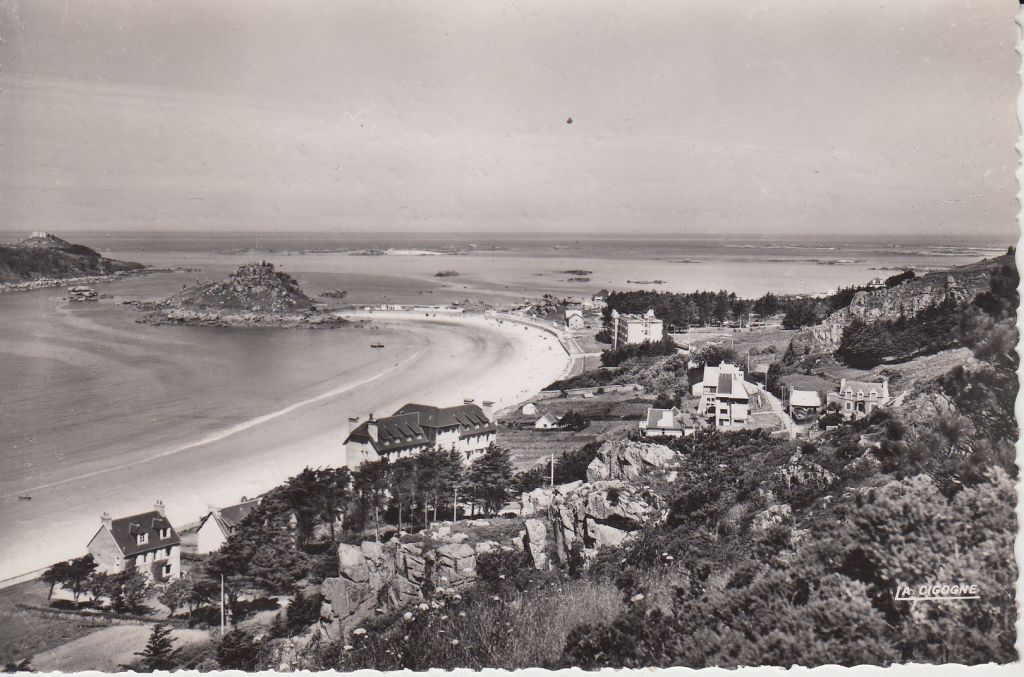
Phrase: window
(849, 405)
(165, 533)
(166, 570)
(141, 539)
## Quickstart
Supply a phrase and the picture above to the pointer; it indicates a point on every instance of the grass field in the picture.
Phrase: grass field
(26, 633)
(530, 446)
(108, 649)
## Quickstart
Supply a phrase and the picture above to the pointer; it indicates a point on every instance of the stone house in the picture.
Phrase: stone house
(856, 399)
(146, 542)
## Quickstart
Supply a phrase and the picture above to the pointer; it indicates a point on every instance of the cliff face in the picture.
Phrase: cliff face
(959, 284)
(45, 256)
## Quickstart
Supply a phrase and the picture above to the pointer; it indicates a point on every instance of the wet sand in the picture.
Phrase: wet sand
(450, 359)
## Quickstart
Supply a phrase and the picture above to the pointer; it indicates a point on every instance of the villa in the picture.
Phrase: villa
(857, 399)
(220, 523)
(627, 329)
(467, 428)
(668, 423)
(146, 542)
(724, 396)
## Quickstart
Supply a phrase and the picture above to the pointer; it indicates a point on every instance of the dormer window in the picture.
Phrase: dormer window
(141, 539)
(165, 533)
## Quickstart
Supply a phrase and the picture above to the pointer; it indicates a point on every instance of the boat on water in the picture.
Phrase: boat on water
(82, 294)
(376, 345)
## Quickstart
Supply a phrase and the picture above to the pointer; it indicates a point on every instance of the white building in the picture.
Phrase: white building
(546, 422)
(724, 396)
(220, 523)
(529, 409)
(627, 329)
(467, 428)
(667, 423)
(574, 318)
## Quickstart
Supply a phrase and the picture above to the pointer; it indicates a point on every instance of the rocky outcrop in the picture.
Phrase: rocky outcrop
(628, 460)
(538, 501)
(600, 514)
(254, 295)
(373, 575)
(535, 543)
(958, 284)
(770, 517)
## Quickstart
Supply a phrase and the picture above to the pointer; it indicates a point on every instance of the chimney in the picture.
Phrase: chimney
(106, 520)
(371, 427)
(159, 507)
(353, 421)
(488, 409)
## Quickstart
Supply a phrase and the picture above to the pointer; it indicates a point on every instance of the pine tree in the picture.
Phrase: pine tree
(159, 653)
(490, 477)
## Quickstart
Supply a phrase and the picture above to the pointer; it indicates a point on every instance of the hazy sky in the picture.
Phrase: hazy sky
(896, 117)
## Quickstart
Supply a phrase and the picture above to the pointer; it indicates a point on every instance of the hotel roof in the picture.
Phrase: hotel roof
(416, 425)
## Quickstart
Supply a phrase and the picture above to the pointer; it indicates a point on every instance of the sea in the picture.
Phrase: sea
(91, 398)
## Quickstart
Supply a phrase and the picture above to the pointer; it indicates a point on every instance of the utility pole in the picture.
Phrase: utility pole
(222, 605)
(552, 467)
(455, 506)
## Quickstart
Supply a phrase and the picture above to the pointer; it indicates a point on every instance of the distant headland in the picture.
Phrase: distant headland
(45, 260)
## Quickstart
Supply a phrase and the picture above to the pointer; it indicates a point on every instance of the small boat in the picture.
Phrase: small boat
(376, 345)
(24, 497)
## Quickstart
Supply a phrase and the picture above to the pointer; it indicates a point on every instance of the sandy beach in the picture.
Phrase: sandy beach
(451, 358)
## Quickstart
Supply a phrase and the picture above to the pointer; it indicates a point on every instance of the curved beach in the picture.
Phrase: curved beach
(439, 360)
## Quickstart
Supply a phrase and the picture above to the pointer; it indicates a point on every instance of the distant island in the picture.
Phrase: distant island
(446, 273)
(255, 295)
(45, 260)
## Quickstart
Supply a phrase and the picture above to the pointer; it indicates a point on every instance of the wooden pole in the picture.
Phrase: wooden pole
(455, 506)
(222, 605)
(552, 467)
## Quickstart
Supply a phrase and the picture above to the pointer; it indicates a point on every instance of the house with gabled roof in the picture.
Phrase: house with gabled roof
(147, 542)
(466, 428)
(857, 399)
(802, 405)
(668, 423)
(219, 523)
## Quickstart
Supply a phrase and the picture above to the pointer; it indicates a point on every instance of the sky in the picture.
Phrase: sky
(778, 118)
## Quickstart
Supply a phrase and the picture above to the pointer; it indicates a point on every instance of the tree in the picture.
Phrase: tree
(73, 575)
(801, 313)
(490, 477)
(159, 653)
(54, 575)
(303, 611)
(237, 650)
(126, 590)
(371, 482)
(574, 420)
(899, 278)
(176, 594)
